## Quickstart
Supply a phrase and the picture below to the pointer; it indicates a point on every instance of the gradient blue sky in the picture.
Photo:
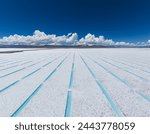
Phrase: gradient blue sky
(120, 20)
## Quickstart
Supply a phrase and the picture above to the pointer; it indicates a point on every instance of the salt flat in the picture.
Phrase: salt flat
(75, 82)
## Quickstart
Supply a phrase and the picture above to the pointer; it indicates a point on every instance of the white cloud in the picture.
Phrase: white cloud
(41, 39)
(90, 40)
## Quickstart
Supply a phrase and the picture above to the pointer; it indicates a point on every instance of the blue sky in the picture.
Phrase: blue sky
(120, 20)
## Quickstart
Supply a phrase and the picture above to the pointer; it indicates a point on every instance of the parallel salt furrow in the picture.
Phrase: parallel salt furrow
(113, 74)
(129, 72)
(115, 109)
(138, 102)
(146, 65)
(3, 59)
(126, 87)
(19, 109)
(19, 64)
(123, 81)
(87, 99)
(12, 62)
(135, 63)
(52, 95)
(144, 96)
(15, 65)
(26, 76)
(28, 61)
(143, 79)
(18, 70)
(5, 63)
(133, 67)
(69, 94)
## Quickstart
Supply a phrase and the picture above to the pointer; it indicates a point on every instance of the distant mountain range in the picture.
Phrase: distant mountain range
(75, 46)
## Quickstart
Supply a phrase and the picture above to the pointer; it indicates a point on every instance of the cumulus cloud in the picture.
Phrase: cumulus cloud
(90, 40)
(41, 39)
